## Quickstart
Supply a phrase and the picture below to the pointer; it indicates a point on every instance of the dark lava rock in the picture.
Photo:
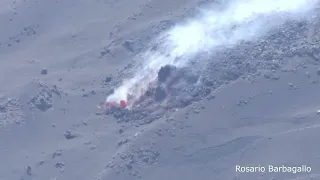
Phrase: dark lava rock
(118, 112)
(165, 72)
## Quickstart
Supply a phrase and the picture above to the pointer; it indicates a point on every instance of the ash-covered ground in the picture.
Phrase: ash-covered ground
(255, 104)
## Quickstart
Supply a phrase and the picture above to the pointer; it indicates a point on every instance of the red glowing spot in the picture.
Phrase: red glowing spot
(123, 104)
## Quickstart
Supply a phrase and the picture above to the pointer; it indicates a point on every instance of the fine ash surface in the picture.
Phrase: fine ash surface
(253, 104)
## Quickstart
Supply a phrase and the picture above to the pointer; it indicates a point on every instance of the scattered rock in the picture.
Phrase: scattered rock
(29, 170)
(292, 86)
(123, 142)
(43, 100)
(108, 79)
(211, 96)
(40, 163)
(105, 51)
(44, 103)
(29, 31)
(137, 155)
(56, 154)
(159, 132)
(129, 45)
(242, 102)
(275, 77)
(59, 164)
(87, 94)
(69, 135)
(11, 111)
(87, 143)
(146, 155)
(121, 131)
(272, 76)
(196, 111)
(44, 71)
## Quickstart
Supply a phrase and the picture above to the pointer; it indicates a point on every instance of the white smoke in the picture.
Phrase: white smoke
(242, 20)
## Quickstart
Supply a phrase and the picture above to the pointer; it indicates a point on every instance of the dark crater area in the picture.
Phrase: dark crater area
(180, 87)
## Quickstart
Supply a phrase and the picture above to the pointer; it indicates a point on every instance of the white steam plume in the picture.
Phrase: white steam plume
(242, 20)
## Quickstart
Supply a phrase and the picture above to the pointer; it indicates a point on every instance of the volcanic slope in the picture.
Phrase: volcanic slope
(60, 59)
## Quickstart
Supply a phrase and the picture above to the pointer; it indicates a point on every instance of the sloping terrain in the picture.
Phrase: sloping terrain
(257, 103)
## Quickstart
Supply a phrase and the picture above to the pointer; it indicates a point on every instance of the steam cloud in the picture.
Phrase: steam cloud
(242, 20)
